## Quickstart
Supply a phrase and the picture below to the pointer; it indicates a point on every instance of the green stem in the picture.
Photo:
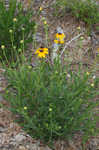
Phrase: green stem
(23, 42)
(5, 56)
(46, 34)
(34, 36)
(12, 39)
(2, 61)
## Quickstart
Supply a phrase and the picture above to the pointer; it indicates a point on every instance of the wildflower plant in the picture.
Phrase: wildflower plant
(54, 101)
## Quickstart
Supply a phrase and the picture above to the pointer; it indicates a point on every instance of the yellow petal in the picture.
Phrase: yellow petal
(45, 49)
(98, 49)
(61, 42)
(56, 41)
(45, 52)
(41, 8)
(60, 36)
(88, 73)
(41, 55)
(78, 28)
(37, 52)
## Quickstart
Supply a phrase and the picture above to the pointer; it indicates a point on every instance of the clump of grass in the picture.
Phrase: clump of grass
(15, 26)
(86, 11)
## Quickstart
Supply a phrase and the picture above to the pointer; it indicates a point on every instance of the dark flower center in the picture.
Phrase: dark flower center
(41, 50)
(60, 33)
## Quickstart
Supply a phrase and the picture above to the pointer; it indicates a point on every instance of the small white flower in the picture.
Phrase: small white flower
(23, 28)
(94, 77)
(68, 75)
(92, 85)
(14, 20)
(14, 47)
(81, 38)
(25, 108)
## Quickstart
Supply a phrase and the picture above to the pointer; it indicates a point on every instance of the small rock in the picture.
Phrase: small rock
(22, 148)
(19, 138)
(89, 38)
(2, 70)
(34, 147)
(13, 143)
(71, 145)
(2, 129)
(59, 30)
(27, 146)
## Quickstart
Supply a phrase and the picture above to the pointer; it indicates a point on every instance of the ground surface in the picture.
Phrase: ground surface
(12, 137)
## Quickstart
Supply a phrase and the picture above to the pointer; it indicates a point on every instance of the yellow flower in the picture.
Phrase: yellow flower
(29, 67)
(45, 22)
(14, 47)
(81, 38)
(56, 72)
(41, 8)
(10, 31)
(42, 52)
(22, 41)
(2, 47)
(92, 84)
(60, 36)
(59, 41)
(98, 49)
(56, 41)
(25, 108)
(14, 20)
(19, 50)
(88, 73)
(78, 28)
(50, 109)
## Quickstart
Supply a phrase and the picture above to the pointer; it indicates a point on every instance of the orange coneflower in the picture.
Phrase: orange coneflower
(41, 52)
